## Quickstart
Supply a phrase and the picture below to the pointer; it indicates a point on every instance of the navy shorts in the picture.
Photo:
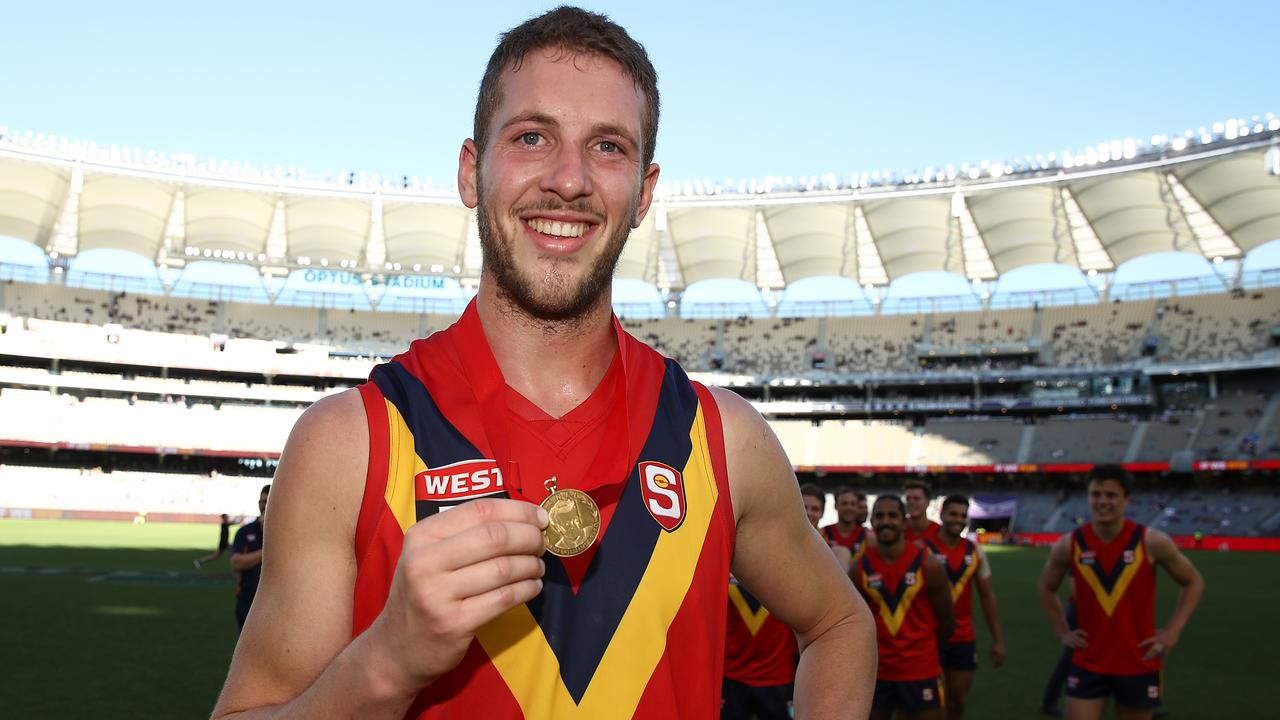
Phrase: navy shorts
(1141, 692)
(739, 701)
(908, 695)
(959, 656)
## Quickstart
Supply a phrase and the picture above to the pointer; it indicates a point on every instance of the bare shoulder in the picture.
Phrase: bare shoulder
(1159, 545)
(327, 452)
(758, 466)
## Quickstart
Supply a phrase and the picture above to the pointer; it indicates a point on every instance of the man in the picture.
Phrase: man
(224, 541)
(246, 559)
(759, 661)
(1118, 652)
(966, 565)
(893, 575)
(815, 504)
(917, 494)
(851, 512)
(376, 603)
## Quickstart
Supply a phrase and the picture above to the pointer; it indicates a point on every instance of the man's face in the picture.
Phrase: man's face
(560, 185)
(847, 508)
(887, 521)
(813, 507)
(955, 518)
(860, 517)
(262, 503)
(916, 501)
(1107, 500)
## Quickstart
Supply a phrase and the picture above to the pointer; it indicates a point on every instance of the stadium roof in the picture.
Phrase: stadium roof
(1216, 194)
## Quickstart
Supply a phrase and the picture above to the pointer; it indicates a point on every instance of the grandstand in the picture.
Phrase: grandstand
(171, 386)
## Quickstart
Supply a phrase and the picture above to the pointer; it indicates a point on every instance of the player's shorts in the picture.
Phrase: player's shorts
(959, 656)
(743, 702)
(1141, 692)
(908, 695)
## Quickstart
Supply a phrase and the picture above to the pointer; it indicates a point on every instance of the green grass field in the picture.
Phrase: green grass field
(111, 620)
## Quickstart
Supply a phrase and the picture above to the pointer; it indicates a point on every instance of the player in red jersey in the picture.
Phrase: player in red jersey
(917, 494)
(376, 604)
(966, 566)
(1119, 652)
(910, 597)
(760, 655)
(815, 504)
(851, 512)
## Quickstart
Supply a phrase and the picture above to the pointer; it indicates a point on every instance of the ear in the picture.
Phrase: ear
(468, 161)
(647, 185)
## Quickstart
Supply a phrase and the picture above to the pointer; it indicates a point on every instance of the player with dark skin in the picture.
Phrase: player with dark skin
(955, 518)
(889, 523)
(563, 173)
(1108, 500)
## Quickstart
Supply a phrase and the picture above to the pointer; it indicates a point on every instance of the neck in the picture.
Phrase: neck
(918, 522)
(892, 552)
(948, 539)
(554, 364)
(845, 527)
(1108, 530)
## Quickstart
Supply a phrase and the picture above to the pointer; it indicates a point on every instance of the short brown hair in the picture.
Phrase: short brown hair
(578, 32)
(814, 491)
(846, 490)
(918, 485)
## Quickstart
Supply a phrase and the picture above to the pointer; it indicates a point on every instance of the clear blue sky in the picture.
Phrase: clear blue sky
(749, 88)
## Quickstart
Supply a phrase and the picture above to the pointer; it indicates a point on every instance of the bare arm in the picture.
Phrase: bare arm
(1055, 569)
(939, 588)
(990, 611)
(790, 568)
(457, 570)
(1166, 554)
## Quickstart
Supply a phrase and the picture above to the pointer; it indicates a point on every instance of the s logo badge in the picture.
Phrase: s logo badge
(662, 488)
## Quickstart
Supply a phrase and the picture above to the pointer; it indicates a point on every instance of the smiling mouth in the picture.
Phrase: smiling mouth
(555, 228)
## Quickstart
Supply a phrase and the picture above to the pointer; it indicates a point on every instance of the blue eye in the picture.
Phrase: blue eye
(609, 147)
(530, 138)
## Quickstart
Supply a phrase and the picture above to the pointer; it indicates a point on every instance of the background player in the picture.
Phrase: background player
(760, 654)
(892, 575)
(966, 565)
(849, 529)
(246, 559)
(224, 541)
(917, 494)
(815, 503)
(1118, 650)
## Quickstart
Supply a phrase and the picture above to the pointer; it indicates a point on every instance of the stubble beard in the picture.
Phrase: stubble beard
(550, 301)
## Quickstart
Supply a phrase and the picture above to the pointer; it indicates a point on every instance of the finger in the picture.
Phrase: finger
(484, 542)
(1147, 642)
(477, 610)
(492, 574)
(478, 512)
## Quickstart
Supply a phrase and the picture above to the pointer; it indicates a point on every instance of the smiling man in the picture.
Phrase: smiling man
(1118, 652)
(608, 601)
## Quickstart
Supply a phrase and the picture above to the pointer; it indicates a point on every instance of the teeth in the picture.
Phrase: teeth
(558, 229)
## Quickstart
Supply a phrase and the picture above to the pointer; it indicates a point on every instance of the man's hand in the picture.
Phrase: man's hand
(997, 654)
(457, 571)
(1075, 639)
(1160, 644)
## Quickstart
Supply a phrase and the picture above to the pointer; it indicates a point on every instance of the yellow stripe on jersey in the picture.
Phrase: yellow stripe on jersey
(520, 652)
(403, 466)
(752, 618)
(893, 618)
(1109, 600)
(962, 584)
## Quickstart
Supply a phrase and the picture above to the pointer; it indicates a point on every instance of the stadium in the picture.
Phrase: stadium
(165, 319)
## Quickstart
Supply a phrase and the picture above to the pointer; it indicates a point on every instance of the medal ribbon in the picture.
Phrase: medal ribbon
(489, 388)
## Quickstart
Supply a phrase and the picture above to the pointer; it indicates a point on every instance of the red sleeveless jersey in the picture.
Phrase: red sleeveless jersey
(906, 629)
(759, 650)
(1115, 600)
(961, 563)
(854, 540)
(634, 627)
(929, 533)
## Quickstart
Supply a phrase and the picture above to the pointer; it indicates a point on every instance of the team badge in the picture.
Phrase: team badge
(875, 580)
(663, 490)
(1153, 692)
(1128, 557)
(927, 694)
(1087, 557)
(910, 578)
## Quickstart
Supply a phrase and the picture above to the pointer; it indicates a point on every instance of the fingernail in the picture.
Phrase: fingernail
(543, 518)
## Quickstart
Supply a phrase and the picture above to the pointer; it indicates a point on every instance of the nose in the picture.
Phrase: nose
(568, 177)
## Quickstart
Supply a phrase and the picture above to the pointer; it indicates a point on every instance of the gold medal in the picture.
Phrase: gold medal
(574, 521)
